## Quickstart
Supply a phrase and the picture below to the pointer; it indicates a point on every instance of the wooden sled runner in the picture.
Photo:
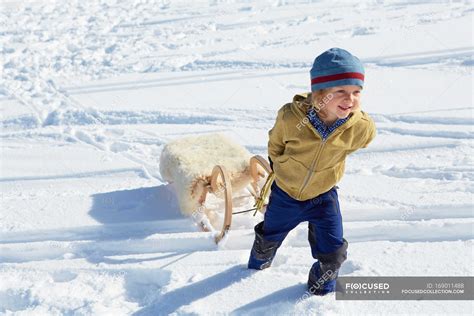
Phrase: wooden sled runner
(213, 164)
(219, 173)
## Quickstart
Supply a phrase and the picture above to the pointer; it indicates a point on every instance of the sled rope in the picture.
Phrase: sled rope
(260, 201)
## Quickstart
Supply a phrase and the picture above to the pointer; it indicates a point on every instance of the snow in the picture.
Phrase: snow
(91, 91)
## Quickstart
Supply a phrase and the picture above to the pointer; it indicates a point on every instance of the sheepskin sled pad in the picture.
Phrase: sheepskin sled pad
(188, 163)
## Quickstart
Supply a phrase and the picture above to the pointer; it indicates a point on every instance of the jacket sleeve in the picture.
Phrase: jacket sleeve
(276, 137)
(370, 134)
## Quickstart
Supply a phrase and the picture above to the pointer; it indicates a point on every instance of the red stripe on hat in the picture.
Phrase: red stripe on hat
(346, 75)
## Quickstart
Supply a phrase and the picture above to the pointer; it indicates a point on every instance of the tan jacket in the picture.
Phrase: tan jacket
(305, 166)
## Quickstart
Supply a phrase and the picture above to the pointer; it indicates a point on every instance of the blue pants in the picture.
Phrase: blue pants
(325, 233)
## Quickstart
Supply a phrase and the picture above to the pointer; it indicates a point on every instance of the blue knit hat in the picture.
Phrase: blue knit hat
(336, 67)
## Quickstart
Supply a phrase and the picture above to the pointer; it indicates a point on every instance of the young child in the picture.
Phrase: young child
(307, 148)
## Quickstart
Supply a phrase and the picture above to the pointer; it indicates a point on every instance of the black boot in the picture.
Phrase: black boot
(263, 250)
(323, 273)
(322, 279)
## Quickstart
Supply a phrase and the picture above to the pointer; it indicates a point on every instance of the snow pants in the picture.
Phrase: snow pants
(325, 235)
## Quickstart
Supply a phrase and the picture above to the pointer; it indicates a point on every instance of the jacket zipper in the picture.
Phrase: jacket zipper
(314, 163)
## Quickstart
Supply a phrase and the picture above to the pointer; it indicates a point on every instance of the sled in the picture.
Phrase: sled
(220, 181)
(213, 164)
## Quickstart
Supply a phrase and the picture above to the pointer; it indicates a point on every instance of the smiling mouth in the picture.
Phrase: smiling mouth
(344, 108)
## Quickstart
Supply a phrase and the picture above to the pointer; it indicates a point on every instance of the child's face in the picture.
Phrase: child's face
(342, 100)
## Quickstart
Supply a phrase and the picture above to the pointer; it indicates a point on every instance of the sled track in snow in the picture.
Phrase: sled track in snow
(88, 246)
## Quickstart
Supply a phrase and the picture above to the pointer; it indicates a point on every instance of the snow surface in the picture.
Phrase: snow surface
(91, 90)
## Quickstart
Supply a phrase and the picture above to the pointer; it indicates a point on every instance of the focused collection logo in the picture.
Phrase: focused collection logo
(405, 288)
(367, 287)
